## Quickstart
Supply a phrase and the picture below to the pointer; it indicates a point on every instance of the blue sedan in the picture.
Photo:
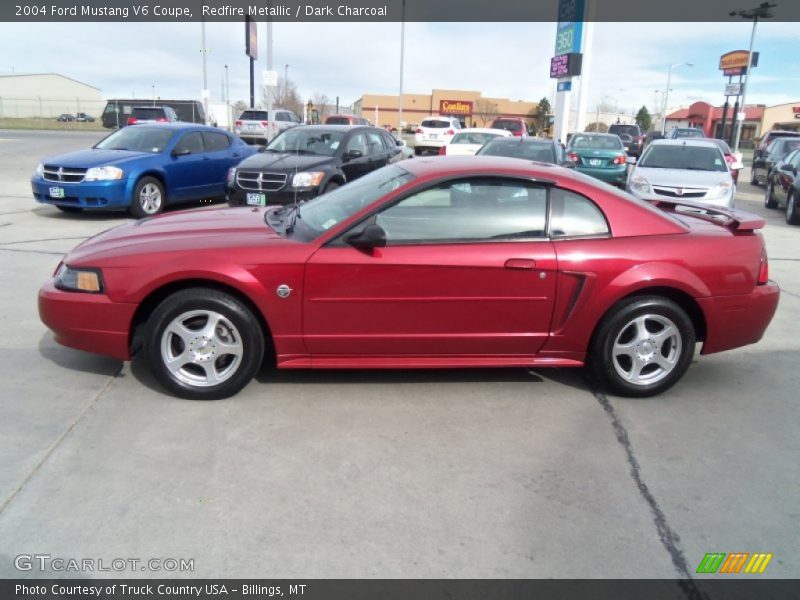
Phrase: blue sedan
(141, 169)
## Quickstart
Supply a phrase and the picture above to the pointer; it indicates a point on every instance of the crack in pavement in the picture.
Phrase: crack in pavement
(60, 439)
(666, 535)
(61, 239)
(32, 251)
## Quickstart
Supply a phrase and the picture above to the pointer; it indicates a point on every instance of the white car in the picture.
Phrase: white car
(689, 169)
(434, 132)
(254, 127)
(467, 142)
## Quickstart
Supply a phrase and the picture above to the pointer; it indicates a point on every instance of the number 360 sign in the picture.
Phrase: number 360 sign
(570, 26)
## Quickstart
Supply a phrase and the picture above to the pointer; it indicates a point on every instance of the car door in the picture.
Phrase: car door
(188, 174)
(784, 176)
(394, 153)
(467, 270)
(221, 157)
(378, 155)
(355, 156)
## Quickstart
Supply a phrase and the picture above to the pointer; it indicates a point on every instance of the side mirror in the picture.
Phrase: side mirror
(567, 164)
(372, 236)
(631, 160)
(400, 142)
(181, 152)
(353, 154)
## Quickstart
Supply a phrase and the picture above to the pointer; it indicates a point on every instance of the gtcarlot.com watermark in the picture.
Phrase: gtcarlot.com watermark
(46, 562)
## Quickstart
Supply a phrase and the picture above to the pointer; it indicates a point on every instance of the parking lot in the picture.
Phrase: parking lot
(422, 474)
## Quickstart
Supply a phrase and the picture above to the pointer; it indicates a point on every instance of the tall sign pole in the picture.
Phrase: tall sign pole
(586, 49)
(251, 49)
(567, 61)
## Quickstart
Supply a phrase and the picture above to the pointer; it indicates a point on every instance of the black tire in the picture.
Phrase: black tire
(189, 377)
(753, 180)
(142, 207)
(417, 151)
(617, 325)
(792, 218)
(332, 185)
(769, 197)
(69, 209)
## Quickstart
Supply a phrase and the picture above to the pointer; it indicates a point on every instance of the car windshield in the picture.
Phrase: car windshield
(138, 139)
(683, 156)
(782, 146)
(473, 137)
(507, 124)
(631, 130)
(253, 115)
(596, 142)
(516, 148)
(337, 121)
(148, 113)
(307, 141)
(435, 124)
(323, 212)
(686, 133)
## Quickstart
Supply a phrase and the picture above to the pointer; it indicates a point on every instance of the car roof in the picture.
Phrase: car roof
(343, 128)
(501, 132)
(499, 165)
(702, 142)
(181, 126)
(529, 139)
(596, 134)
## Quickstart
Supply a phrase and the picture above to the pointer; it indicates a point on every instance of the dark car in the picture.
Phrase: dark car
(652, 136)
(65, 117)
(152, 114)
(117, 112)
(527, 148)
(306, 161)
(774, 153)
(770, 137)
(685, 132)
(633, 144)
(783, 187)
(84, 118)
(141, 169)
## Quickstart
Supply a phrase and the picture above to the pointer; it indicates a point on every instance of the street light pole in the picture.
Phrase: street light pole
(666, 94)
(285, 82)
(402, 56)
(760, 12)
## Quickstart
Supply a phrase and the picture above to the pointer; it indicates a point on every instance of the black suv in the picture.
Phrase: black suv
(303, 162)
(635, 144)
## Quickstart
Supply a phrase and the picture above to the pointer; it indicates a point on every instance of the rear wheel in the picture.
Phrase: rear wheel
(769, 196)
(792, 218)
(753, 180)
(148, 198)
(203, 344)
(642, 347)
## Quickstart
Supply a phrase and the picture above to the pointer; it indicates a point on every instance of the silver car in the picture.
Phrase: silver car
(689, 169)
(254, 127)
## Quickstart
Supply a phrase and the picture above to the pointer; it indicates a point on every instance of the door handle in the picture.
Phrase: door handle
(521, 263)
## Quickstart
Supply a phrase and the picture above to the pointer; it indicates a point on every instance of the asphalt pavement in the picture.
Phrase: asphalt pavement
(420, 474)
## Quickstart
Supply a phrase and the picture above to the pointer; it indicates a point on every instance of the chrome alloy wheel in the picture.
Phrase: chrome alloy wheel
(201, 348)
(647, 349)
(150, 198)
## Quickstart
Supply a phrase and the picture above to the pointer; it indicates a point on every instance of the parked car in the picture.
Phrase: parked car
(516, 125)
(434, 132)
(528, 148)
(600, 155)
(734, 159)
(152, 114)
(783, 187)
(116, 112)
(652, 136)
(466, 142)
(770, 137)
(690, 170)
(402, 269)
(778, 149)
(141, 169)
(65, 118)
(345, 120)
(685, 132)
(84, 118)
(306, 161)
(255, 126)
(635, 143)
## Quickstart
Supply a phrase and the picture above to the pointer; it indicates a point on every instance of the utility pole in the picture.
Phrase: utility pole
(205, 72)
(402, 57)
(666, 93)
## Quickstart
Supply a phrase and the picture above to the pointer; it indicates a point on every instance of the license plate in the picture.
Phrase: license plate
(433, 136)
(595, 162)
(256, 199)
(56, 192)
(252, 126)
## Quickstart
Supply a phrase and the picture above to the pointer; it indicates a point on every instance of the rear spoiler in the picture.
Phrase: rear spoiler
(739, 220)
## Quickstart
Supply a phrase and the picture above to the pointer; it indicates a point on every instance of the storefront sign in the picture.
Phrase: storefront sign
(735, 63)
(733, 89)
(455, 107)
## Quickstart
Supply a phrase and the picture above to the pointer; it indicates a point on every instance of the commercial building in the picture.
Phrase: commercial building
(709, 118)
(470, 107)
(47, 95)
(782, 116)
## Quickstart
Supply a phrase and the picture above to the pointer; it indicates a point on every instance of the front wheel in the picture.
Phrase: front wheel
(330, 187)
(769, 196)
(753, 180)
(148, 198)
(203, 344)
(792, 218)
(642, 347)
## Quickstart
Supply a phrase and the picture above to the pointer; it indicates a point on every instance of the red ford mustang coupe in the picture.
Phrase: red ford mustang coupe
(438, 263)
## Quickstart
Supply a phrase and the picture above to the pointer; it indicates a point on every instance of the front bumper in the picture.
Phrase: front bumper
(238, 197)
(86, 194)
(617, 174)
(423, 141)
(724, 202)
(734, 321)
(90, 322)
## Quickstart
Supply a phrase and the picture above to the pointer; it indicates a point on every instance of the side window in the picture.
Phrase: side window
(374, 143)
(357, 141)
(796, 159)
(572, 215)
(215, 142)
(281, 116)
(469, 210)
(388, 141)
(193, 142)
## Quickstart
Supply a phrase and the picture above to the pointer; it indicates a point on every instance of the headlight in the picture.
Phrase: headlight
(39, 170)
(639, 184)
(103, 174)
(231, 175)
(721, 190)
(79, 279)
(308, 179)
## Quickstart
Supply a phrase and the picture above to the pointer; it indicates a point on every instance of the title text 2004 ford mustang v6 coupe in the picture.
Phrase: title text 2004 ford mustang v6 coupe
(443, 262)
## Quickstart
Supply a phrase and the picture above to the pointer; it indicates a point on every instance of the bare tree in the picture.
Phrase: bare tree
(485, 109)
(598, 127)
(323, 105)
(284, 95)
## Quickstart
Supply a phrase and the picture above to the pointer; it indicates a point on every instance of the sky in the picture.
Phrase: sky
(508, 60)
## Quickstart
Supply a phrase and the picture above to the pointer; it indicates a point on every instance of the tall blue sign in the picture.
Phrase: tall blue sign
(570, 26)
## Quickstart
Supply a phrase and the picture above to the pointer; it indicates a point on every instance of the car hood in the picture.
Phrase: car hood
(285, 161)
(204, 230)
(681, 177)
(93, 157)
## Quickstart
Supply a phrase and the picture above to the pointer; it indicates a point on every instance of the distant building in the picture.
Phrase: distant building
(709, 118)
(782, 116)
(47, 95)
